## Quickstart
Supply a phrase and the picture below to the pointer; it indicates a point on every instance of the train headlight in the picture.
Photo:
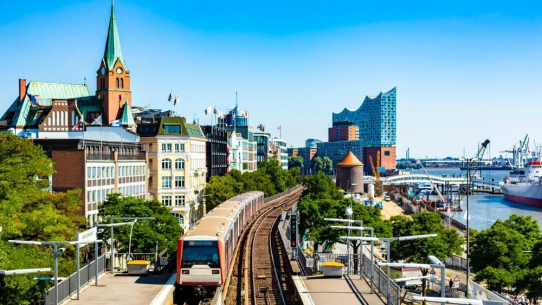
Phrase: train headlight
(185, 271)
(216, 271)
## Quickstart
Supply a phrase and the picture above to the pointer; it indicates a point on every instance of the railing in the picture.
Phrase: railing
(122, 259)
(480, 293)
(68, 287)
(456, 262)
(108, 157)
(140, 156)
(271, 198)
(380, 280)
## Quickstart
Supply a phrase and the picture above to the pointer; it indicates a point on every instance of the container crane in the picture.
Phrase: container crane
(376, 173)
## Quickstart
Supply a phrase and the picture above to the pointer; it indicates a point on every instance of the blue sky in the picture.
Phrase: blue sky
(464, 71)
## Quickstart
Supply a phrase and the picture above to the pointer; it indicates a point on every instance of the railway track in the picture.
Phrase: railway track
(259, 267)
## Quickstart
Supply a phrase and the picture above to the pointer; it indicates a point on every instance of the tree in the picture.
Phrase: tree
(220, 189)
(327, 165)
(29, 212)
(317, 165)
(497, 253)
(277, 174)
(164, 228)
(320, 186)
(294, 177)
(295, 162)
(447, 242)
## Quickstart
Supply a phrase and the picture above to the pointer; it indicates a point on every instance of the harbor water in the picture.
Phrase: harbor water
(485, 209)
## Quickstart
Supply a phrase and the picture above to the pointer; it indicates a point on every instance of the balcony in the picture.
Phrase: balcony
(99, 157)
(138, 157)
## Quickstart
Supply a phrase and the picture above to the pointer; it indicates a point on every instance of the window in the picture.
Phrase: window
(179, 164)
(169, 147)
(179, 200)
(122, 83)
(164, 146)
(118, 82)
(176, 147)
(182, 147)
(386, 153)
(166, 181)
(179, 181)
(166, 200)
(172, 129)
(166, 164)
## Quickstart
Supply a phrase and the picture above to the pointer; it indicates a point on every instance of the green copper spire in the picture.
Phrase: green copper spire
(127, 116)
(112, 45)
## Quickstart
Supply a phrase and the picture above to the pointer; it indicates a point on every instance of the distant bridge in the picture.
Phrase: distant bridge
(421, 178)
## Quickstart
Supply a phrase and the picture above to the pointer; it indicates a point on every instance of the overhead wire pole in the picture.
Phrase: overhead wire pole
(55, 256)
(362, 239)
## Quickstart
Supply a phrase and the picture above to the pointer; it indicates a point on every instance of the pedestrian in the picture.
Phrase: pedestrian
(451, 283)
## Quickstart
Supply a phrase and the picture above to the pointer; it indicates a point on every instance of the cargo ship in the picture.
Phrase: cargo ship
(524, 184)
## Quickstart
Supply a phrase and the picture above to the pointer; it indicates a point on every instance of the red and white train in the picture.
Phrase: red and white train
(205, 251)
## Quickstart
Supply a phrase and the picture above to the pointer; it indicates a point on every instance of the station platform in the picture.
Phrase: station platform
(123, 289)
(348, 290)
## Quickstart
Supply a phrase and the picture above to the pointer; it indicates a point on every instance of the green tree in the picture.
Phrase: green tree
(447, 243)
(295, 162)
(497, 253)
(277, 174)
(320, 186)
(317, 165)
(220, 189)
(29, 212)
(294, 177)
(327, 165)
(164, 228)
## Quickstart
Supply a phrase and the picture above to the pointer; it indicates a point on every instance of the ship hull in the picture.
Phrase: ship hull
(530, 194)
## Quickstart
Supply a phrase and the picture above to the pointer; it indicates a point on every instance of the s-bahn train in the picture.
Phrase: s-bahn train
(205, 251)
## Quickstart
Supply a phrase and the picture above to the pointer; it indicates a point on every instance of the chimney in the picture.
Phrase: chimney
(22, 89)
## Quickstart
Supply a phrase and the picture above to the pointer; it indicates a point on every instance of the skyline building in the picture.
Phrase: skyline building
(376, 118)
(177, 165)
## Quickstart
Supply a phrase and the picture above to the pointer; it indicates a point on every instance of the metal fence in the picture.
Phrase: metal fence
(456, 262)
(480, 293)
(68, 287)
(380, 280)
(271, 198)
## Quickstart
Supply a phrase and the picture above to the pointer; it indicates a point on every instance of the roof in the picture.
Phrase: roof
(367, 99)
(154, 129)
(350, 160)
(194, 130)
(113, 51)
(22, 114)
(127, 116)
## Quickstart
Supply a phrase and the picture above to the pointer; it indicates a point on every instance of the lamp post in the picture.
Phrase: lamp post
(468, 228)
(56, 252)
(362, 239)
(112, 225)
(349, 220)
(388, 258)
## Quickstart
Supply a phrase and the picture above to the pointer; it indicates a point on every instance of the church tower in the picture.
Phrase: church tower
(113, 77)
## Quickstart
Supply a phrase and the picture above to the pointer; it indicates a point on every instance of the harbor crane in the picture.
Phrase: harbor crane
(520, 153)
(478, 158)
(376, 173)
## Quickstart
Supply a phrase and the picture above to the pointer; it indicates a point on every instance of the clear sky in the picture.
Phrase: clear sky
(464, 70)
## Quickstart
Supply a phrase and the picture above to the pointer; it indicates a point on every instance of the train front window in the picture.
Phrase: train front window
(200, 253)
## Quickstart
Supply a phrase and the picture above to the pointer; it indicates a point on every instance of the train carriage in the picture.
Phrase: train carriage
(204, 253)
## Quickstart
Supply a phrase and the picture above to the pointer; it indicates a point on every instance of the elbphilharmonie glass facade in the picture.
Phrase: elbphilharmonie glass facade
(376, 118)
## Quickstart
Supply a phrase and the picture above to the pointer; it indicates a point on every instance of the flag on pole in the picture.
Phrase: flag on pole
(176, 100)
(233, 115)
(78, 124)
(208, 110)
(97, 121)
(279, 127)
(115, 123)
(170, 97)
(215, 111)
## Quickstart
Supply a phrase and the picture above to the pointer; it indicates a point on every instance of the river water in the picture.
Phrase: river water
(485, 209)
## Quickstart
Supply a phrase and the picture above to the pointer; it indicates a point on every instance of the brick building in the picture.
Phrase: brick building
(76, 130)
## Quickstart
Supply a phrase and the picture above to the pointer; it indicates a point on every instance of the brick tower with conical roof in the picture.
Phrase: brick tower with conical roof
(350, 174)
(113, 77)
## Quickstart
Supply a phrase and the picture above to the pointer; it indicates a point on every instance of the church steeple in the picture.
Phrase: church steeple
(113, 78)
(112, 46)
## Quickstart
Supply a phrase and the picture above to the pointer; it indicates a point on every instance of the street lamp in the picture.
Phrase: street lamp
(349, 220)
(468, 228)
(388, 255)
(56, 252)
